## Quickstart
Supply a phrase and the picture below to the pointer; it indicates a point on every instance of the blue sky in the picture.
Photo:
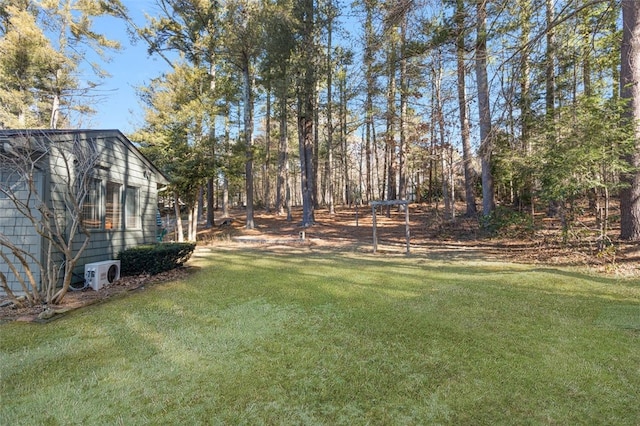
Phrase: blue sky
(119, 107)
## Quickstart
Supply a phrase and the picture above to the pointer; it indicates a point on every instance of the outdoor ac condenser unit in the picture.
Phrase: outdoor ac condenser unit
(99, 274)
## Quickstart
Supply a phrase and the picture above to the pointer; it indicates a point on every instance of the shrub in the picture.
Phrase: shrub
(153, 259)
(508, 223)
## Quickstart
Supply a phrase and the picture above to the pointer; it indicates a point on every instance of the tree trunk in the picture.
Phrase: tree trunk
(315, 150)
(306, 88)
(212, 140)
(210, 203)
(368, 183)
(370, 45)
(550, 92)
(462, 104)
(55, 113)
(484, 109)
(630, 91)
(225, 176)
(550, 79)
(267, 159)
(525, 83)
(305, 129)
(193, 222)
(390, 134)
(200, 211)
(329, 162)
(346, 199)
(283, 155)
(404, 95)
(225, 196)
(176, 206)
(447, 166)
(525, 103)
(247, 98)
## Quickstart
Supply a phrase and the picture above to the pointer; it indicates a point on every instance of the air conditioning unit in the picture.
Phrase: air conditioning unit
(99, 274)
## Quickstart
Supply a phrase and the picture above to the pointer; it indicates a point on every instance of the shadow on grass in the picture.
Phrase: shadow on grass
(412, 274)
(337, 337)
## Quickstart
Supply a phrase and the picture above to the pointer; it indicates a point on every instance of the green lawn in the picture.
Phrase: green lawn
(342, 338)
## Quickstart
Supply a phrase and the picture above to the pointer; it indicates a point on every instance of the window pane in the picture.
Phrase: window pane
(131, 208)
(10, 184)
(113, 206)
(91, 206)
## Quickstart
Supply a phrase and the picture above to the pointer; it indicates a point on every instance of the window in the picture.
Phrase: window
(91, 207)
(132, 209)
(113, 206)
(10, 184)
(104, 210)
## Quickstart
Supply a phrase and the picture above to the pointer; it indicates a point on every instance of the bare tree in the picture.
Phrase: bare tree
(54, 211)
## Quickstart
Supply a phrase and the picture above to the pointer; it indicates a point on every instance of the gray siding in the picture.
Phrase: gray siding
(19, 230)
(118, 162)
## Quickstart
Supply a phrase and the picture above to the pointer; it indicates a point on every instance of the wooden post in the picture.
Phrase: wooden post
(374, 205)
(406, 225)
(373, 218)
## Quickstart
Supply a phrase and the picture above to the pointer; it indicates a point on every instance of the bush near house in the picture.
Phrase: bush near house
(153, 259)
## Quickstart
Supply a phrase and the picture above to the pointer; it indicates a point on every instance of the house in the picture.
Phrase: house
(119, 196)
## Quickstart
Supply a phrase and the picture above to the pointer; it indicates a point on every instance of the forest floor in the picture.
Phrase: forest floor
(540, 242)
(350, 229)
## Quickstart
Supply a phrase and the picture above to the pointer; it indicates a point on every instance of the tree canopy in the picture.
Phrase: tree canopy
(528, 103)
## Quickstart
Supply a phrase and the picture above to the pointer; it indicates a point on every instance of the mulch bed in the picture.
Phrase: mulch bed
(78, 299)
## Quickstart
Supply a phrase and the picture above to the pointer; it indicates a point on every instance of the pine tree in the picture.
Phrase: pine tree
(305, 106)
(630, 91)
(460, 28)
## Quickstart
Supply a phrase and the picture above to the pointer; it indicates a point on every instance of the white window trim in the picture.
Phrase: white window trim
(136, 212)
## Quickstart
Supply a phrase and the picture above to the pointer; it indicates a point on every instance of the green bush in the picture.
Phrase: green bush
(153, 259)
(508, 223)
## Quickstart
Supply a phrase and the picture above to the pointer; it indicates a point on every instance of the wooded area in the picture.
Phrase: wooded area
(531, 104)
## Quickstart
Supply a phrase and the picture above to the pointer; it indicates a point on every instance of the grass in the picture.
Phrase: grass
(341, 338)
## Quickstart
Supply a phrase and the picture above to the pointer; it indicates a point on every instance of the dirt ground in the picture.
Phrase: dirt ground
(350, 229)
(432, 236)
